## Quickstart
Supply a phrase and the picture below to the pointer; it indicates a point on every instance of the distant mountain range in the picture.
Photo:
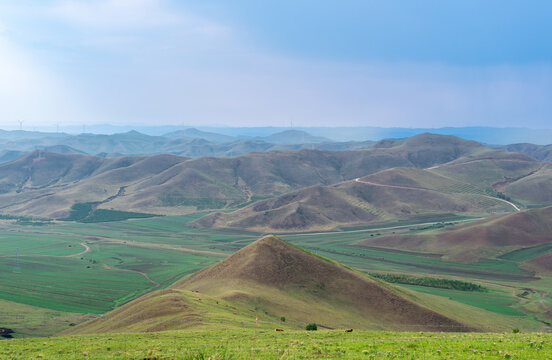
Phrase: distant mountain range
(189, 142)
(487, 135)
(193, 142)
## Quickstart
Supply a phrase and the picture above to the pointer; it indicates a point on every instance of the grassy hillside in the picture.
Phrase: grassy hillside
(539, 152)
(468, 178)
(25, 320)
(496, 237)
(388, 194)
(535, 188)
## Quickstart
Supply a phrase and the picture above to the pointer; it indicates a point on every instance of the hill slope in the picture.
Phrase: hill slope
(483, 239)
(539, 152)
(192, 133)
(276, 279)
(294, 137)
(392, 193)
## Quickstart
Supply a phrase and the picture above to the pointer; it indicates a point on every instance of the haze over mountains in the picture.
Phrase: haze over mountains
(189, 142)
(483, 134)
(193, 142)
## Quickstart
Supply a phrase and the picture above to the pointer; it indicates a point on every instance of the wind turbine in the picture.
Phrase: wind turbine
(20, 124)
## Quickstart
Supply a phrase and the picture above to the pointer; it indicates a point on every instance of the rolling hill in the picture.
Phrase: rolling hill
(294, 137)
(486, 238)
(190, 142)
(539, 152)
(192, 133)
(48, 184)
(273, 278)
(9, 155)
(532, 188)
(399, 192)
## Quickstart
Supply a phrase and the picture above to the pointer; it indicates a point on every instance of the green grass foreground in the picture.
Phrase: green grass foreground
(234, 343)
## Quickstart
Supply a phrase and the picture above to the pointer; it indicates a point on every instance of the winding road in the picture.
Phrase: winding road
(372, 229)
(86, 249)
(153, 282)
(431, 190)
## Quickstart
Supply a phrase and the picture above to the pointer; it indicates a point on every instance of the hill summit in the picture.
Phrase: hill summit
(282, 278)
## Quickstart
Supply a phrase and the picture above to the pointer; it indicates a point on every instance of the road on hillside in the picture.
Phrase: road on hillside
(375, 229)
(475, 160)
(431, 190)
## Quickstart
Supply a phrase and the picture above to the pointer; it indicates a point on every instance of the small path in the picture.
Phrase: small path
(431, 190)
(162, 246)
(475, 160)
(153, 282)
(546, 307)
(86, 249)
(514, 288)
(504, 201)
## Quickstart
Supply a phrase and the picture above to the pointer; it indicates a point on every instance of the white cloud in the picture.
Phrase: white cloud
(132, 15)
(141, 61)
(115, 14)
(264, 91)
(31, 93)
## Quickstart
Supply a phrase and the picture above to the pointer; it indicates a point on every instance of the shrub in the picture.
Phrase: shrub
(311, 327)
(283, 319)
(515, 331)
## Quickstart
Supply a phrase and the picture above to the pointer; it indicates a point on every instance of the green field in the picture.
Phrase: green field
(496, 300)
(224, 341)
(527, 253)
(50, 267)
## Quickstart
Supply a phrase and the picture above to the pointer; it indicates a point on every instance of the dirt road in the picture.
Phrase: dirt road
(431, 190)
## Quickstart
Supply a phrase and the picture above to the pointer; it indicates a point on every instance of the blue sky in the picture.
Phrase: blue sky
(269, 63)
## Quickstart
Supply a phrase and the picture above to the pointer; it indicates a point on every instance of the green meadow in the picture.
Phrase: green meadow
(224, 341)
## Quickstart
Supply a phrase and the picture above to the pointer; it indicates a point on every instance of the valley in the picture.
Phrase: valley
(136, 256)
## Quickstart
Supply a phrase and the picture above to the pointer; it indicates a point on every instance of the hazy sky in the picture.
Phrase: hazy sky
(271, 62)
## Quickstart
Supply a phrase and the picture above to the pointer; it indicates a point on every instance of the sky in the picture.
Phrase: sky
(387, 63)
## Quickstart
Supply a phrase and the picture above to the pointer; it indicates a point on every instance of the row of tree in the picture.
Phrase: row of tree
(430, 282)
